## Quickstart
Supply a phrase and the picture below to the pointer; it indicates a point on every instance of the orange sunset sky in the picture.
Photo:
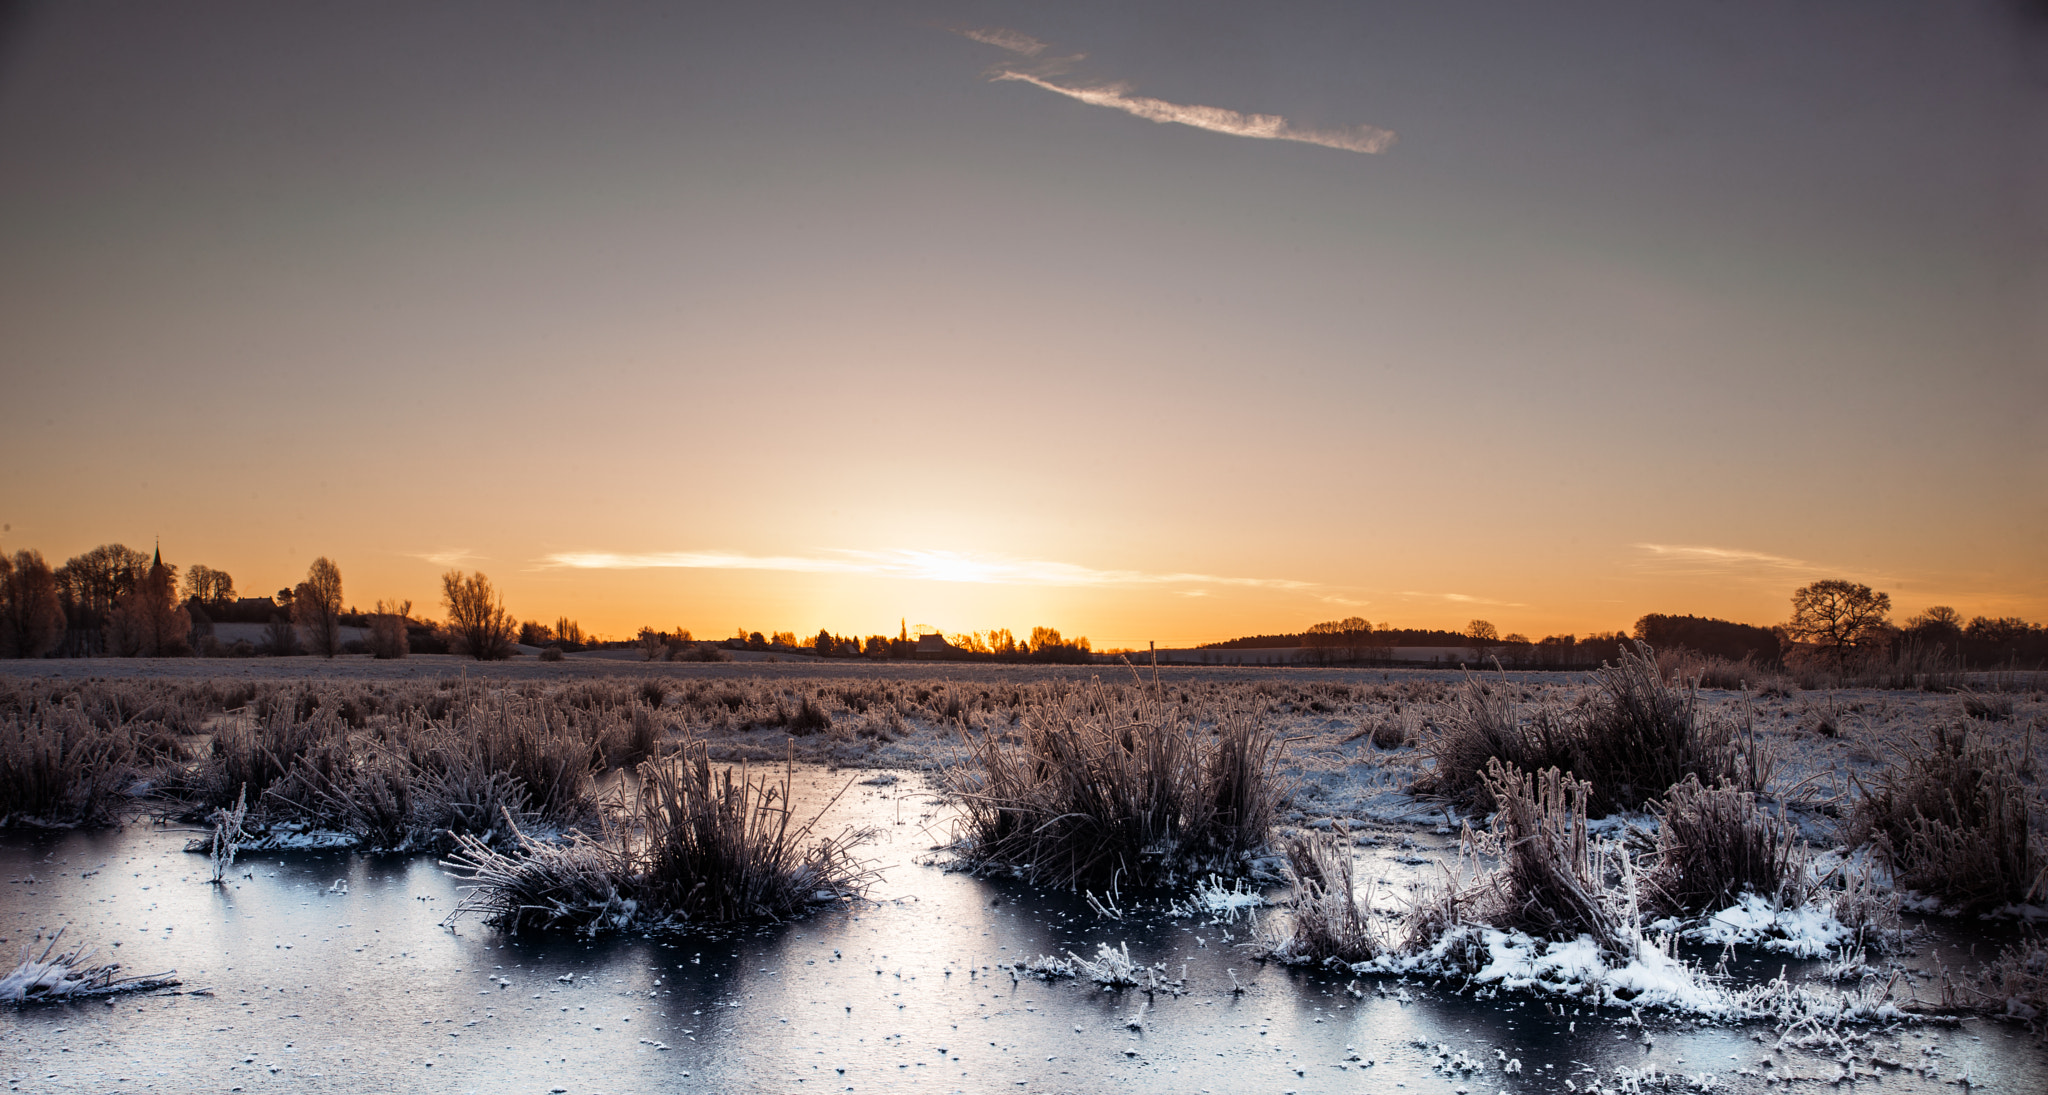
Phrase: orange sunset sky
(1153, 322)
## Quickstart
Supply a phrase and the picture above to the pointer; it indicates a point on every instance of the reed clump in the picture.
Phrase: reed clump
(1551, 882)
(1633, 739)
(1715, 844)
(2014, 985)
(697, 847)
(1955, 822)
(60, 769)
(1095, 784)
(1329, 920)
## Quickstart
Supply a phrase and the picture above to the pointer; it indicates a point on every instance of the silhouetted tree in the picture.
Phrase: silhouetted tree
(89, 586)
(1837, 616)
(1482, 637)
(1703, 635)
(477, 616)
(210, 587)
(316, 607)
(148, 621)
(31, 616)
(388, 638)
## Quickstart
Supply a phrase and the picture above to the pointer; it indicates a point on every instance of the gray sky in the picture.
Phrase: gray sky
(1550, 316)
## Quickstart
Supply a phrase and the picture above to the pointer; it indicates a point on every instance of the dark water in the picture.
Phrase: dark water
(368, 991)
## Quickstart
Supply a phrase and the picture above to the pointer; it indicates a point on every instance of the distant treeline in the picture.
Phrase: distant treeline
(1833, 621)
(1404, 636)
(117, 601)
(1043, 645)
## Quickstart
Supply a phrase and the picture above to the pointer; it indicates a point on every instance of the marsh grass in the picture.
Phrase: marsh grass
(1095, 784)
(697, 847)
(55, 975)
(1715, 844)
(1955, 822)
(1634, 738)
(59, 769)
(726, 845)
(1329, 920)
(1551, 882)
(2014, 984)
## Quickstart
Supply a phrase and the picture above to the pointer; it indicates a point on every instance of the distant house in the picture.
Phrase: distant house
(935, 645)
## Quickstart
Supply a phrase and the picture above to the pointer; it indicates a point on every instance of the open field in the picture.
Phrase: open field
(585, 800)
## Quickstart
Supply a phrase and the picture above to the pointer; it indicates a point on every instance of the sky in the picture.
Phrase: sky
(1151, 322)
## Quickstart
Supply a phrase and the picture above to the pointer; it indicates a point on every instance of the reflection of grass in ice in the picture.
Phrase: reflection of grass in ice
(67, 975)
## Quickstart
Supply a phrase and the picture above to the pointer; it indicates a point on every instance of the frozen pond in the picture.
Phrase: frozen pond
(315, 989)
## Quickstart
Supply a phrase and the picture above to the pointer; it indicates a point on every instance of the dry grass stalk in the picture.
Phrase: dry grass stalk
(57, 768)
(1715, 844)
(1330, 922)
(1955, 822)
(1096, 784)
(1550, 884)
(54, 976)
(699, 847)
(1636, 738)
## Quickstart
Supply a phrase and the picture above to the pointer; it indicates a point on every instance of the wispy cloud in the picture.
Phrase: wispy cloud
(446, 557)
(1718, 558)
(1215, 119)
(1700, 560)
(1462, 599)
(930, 566)
(1119, 96)
(1016, 41)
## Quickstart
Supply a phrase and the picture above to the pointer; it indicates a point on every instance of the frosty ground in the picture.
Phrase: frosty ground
(882, 723)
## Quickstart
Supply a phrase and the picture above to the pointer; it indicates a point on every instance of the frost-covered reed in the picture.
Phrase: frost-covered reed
(1635, 738)
(57, 975)
(696, 846)
(1956, 822)
(1096, 783)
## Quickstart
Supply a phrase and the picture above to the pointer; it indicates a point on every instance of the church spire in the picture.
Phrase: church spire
(159, 553)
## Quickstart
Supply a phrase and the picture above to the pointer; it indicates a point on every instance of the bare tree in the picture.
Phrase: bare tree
(89, 586)
(388, 637)
(477, 616)
(31, 616)
(316, 607)
(208, 586)
(1838, 615)
(148, 621)
(1482, 637)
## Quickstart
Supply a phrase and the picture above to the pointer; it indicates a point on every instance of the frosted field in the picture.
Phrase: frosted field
(292, 981)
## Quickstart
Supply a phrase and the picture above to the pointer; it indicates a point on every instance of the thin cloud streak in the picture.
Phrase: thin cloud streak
(1462, 598)
(1703, 556)
(1016, 41)
(446, 557)
(1270, 127)
(1745, 565)
(930, 566)
(1117, 96)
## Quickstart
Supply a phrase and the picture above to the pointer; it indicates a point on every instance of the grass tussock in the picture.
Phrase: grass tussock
(1096, 784)
(1634, 738)
(1551, 882)
(2014, 984)
(1954, 822)
(1715, 844)
(58, 769)
(1550, 879)
(1330, 922)
(699, 847)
